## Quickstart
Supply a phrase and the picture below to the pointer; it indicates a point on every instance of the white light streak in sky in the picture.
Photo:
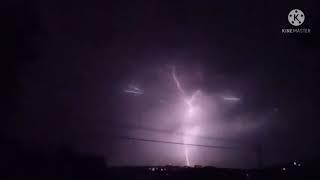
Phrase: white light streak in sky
(226, 98)
(134, 90)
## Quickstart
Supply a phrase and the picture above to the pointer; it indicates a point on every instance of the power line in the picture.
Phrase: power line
(175, 143)
(165, 131)
(258, 153)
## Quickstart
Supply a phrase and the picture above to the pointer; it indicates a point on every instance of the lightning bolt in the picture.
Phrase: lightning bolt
(190, 110)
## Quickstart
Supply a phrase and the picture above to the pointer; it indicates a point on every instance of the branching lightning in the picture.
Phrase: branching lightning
(189, 112)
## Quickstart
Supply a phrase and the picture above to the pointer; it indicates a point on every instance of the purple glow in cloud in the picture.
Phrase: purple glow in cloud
(177, 109)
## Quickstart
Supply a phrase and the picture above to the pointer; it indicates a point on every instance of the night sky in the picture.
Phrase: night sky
(102, 77)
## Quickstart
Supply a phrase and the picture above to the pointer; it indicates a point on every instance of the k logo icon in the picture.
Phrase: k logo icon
(296, 17)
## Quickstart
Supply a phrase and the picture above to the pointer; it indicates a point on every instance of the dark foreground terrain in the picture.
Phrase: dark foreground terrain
(20, 162)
